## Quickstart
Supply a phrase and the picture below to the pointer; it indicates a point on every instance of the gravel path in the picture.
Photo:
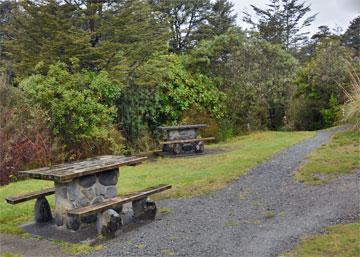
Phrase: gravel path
(262, 214)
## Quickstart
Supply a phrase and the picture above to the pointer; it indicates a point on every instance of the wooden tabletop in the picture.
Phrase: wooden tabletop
(182, 127)
(68, 171)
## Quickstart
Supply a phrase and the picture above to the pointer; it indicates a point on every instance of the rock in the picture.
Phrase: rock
(144, 209)
(98, 199)
(111, 191)
(187, 147)
(199, 147)
(61, 190)
(87, 181)
(108, 222)
(88, 193)
(109, 178)
(42, 211)
(72, 189)
(73, 223)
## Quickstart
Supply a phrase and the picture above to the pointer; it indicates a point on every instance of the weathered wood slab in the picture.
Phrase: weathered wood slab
(66, 172)
(30, 196)
(181, 127)
(186, 140)
(112, 202)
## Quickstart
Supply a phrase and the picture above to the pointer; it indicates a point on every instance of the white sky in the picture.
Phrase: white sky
(332, 13)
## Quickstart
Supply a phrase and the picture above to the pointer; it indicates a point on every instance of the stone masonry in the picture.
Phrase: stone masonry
(84, 191)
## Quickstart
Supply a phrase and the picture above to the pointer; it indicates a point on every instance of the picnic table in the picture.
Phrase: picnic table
(183, 138)
(85, 191)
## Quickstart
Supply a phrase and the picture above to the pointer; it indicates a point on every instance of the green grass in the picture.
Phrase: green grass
(189, 176)
(340, 156)
(339, 240)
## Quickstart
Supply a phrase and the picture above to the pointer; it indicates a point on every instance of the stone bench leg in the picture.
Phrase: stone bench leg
(144, 209)
(108, 222)
(42, 210)
(199, 147)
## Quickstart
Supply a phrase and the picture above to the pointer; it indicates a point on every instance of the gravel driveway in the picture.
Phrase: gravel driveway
(261, 214)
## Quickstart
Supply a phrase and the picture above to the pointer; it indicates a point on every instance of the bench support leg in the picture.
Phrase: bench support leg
(108, 222)
(144, 209)
(42, 210)
(199, 147)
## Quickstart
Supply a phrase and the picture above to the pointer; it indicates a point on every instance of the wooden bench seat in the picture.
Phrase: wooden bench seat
(30, 196)
(183, 141)
(115, 201)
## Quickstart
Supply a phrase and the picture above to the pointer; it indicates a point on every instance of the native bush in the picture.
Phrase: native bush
(79, 107)
(26, 142)
(318, 85)
(161, 91)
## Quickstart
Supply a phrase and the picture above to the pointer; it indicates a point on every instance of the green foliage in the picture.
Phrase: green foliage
(79, 106)
(99, 34)
(282, 22)
(319, 86)
(161, 92)
(254, 75)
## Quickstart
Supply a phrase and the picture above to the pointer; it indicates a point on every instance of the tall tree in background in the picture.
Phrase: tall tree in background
(96, 34)
(185, 17)
(351, 36)
(220, 20)
(282, 22)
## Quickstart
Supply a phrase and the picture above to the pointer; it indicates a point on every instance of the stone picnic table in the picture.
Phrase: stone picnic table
(82, 183)
(183, 138)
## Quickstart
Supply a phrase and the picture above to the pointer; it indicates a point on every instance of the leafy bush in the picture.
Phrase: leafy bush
(79, 108)
(318, 88)
(160, 93)
(26, 142)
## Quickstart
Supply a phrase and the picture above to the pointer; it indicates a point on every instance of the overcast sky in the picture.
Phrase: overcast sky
(332, 13)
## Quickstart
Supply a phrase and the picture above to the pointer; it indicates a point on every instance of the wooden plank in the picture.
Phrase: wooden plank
(68, 171)
(182, 127)
(30, 196)
(186, 140)
(112, 202)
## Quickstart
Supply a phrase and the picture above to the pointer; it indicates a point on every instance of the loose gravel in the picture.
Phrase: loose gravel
(262, 214)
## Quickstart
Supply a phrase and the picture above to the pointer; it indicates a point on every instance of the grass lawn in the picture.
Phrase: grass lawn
(340, 156)
(339, 240)
(189, 176)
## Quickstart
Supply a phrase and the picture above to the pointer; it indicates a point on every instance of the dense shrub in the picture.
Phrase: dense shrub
(160, 93)
(318, 88)
(26, 142)
(79, 108)
(255, 76)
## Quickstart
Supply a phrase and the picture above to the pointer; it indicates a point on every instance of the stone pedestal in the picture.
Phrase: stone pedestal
(182, 134)
(83, 191)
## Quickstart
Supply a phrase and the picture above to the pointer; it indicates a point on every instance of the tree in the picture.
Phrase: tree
(185, 17)
(97, 33)
(219, 21)
(319, 86)
(351, 37)
(254, 74)
(282, 22)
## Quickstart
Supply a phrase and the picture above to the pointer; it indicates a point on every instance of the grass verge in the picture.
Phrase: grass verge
(189, 176)
(338, 241)
(340, 156)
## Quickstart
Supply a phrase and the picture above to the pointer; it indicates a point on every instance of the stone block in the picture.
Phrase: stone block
(111, 191)
(88, 193)
(108, 222)
(42, 211)
(109, 178)
(87, 181)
